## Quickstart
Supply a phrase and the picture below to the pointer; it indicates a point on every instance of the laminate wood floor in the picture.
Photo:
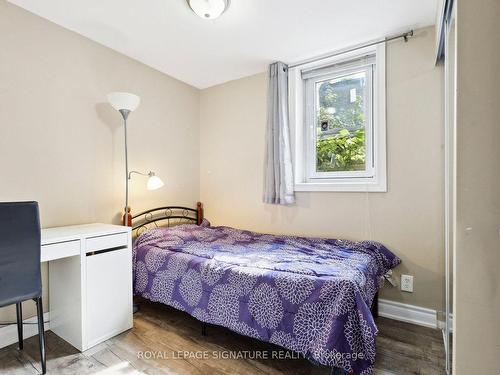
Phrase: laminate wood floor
(160, 334)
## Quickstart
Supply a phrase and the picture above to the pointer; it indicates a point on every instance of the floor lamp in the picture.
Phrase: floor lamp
(125, 103)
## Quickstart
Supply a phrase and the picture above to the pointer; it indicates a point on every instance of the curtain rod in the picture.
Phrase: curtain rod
(405, 36)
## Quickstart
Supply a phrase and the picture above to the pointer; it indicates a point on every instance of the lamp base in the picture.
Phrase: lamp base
(127, 218)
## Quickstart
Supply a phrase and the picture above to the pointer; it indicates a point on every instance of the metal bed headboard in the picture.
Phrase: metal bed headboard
(167, 216)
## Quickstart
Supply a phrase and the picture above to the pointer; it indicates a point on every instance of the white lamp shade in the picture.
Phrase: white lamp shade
(154, 183)
(208, 9)
(123, 100)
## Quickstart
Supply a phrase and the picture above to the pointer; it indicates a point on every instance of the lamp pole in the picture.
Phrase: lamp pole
(125, 102)
(127, 219)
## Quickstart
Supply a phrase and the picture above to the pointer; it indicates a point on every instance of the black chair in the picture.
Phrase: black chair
(20, 276)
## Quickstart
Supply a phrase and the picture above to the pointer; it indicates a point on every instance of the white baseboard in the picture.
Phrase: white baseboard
(408, 313)
(8, 334)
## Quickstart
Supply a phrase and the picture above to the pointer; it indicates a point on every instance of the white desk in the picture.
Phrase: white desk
(90, 281)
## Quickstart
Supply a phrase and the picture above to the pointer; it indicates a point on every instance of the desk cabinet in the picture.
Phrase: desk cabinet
(90, 282)
(108, 295)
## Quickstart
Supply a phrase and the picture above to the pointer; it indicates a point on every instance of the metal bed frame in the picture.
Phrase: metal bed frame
(175, 215)
(168, 216)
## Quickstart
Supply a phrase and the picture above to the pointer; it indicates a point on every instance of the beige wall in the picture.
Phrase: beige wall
(408, 218)
(477, 257)
(62, 145)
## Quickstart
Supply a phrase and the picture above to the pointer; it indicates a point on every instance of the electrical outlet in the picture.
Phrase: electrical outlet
(407, 283)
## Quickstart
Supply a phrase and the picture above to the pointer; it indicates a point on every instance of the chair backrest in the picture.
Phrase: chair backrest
(20, 277)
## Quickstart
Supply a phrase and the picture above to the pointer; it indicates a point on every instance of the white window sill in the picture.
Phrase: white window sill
(340, 186)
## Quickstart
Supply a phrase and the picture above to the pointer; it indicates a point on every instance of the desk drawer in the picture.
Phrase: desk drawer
(60, 250)
(107, 242)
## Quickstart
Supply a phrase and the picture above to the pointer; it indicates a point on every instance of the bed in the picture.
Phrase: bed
(309, 295)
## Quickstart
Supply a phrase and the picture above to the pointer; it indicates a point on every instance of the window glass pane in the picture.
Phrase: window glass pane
(340, 123)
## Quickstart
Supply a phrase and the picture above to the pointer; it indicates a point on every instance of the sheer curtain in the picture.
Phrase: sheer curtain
(278, 169)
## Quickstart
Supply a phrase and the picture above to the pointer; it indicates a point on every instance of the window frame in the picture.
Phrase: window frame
(302, 113)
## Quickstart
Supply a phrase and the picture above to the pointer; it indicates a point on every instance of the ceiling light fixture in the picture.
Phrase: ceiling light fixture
(208, 9)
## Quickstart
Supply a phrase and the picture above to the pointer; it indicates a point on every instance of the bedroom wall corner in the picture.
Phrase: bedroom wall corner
(62, 144)
(408, 218)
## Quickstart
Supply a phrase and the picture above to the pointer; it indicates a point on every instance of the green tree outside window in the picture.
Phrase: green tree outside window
(340, 147)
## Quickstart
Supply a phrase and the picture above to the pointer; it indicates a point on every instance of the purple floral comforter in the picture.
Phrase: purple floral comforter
(310, 295)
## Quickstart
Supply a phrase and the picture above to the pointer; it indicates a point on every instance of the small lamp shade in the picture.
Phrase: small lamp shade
(154, 182)
(124, 100)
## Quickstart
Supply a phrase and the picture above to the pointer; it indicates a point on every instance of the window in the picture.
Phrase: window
(337, 113)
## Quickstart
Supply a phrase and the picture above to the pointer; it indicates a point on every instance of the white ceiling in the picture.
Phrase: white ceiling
(166, 35)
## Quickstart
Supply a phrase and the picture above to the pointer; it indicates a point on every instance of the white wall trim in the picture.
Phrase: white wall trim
(8, 334)
(408, 313)
(442, 324)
